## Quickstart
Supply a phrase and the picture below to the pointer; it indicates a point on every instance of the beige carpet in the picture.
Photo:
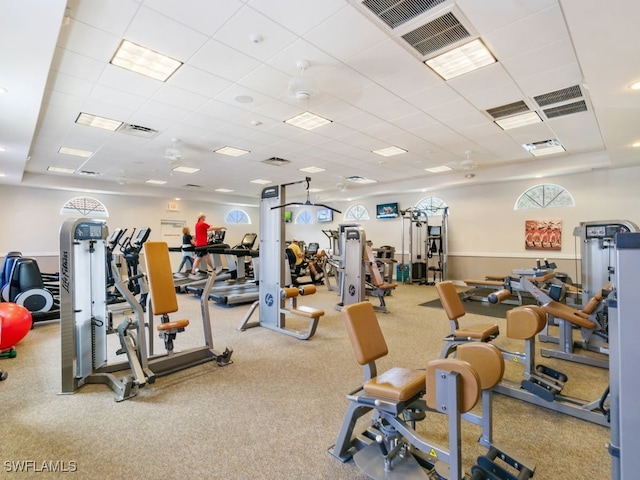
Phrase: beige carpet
(272, 414)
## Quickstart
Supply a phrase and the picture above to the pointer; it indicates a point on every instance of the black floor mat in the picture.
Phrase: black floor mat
(481, 308)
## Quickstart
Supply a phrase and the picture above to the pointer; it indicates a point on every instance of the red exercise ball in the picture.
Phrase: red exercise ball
(15, 323)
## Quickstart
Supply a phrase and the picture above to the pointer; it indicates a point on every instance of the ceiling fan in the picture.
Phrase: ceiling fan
(174, 153)
(302, 87)
(307, 202)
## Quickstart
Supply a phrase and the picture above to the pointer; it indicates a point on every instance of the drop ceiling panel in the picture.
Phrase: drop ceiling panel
(410, 80)
(197, 81)
(525, 35)
(205, 17)
(89, 41)
(223, 61)
(266, 80)
(348, 34)
(551, 80)
(112, 16)
(164, 35)
(69, 84)
(433, 97)
(319, 61)
(74, 64)
(127, 81)
(299, 16)
(344, 82)
(490, 15)
(376, 63)
(238, 30)
(487, 87)
(117, 98)
(156, 109)
(179, 97)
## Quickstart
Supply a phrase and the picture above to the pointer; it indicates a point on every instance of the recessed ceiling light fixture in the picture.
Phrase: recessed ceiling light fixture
(3, 90)
(545, 147)
(461, 60)
(141, 60)
(98, 122)
(224, 190)
(231, 151)
(636, 145)
(186, 169)
(260, 181)
(635, 86)
(389, 151)
(155, 182)
(3, 149)
(75, 151)
(440, 169)
(312, 169)
(518, 120)
(70, 171)
(308, 121)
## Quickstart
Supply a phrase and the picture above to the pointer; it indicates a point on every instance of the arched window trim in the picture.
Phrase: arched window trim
(84, 207)
(546, 202)
(304, 217)
(432, 206)
(356, 213)
(241, 217)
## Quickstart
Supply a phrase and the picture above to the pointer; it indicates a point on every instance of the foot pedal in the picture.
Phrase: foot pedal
(541, 391)
(550, 372)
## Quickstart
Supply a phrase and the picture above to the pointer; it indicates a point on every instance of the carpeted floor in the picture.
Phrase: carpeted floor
(272, 414)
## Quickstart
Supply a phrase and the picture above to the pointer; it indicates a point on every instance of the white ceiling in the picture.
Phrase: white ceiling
(368, 81)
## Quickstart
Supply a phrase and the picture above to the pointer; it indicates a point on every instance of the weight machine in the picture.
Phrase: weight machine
(428, 247)
(624, 304)
(274, 273)
(597, 258)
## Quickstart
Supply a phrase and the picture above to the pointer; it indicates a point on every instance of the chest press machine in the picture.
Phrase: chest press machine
(84, 321)
(391, 447)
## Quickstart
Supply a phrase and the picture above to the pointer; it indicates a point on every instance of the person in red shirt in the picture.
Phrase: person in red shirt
(202, 231)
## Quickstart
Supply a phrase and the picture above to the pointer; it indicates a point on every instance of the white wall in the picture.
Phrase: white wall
(482, 221)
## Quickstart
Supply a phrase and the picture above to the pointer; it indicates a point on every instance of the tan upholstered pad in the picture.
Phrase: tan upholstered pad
(396, 384)
(308, 312)
(525, 322)
(450, 300)
(364, 332)
(478, 332)
(564, 311)
(173, 325)
(487, 282)
(486, 359)
(469, 382)
(160, 276)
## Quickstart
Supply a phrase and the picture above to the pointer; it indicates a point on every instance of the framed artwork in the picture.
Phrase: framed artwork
(543, 234)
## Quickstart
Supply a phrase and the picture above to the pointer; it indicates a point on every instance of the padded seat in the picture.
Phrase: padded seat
(305, 311)
(173, 325)
(455, 309)
(486, 359)
(398, 384)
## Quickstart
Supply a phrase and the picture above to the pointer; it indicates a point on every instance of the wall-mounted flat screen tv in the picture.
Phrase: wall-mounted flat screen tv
(324, 215)
(387, 210)
(288, 216)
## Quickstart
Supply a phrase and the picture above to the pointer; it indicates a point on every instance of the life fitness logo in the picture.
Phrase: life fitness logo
(268, 299)
(352, 289)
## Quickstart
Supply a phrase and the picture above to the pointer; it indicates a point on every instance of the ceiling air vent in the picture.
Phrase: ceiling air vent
(566, 109)
(394, 13)
(87, 173)
(137, 130)
(508, 110)
(558, 96)
(192, 185)
(437, 34)
(276, 161)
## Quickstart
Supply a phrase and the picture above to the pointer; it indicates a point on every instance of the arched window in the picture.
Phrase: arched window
(355, 213)
(431, 205)
(236, 217)
(304, 217)
(544, 196)
(84, 207)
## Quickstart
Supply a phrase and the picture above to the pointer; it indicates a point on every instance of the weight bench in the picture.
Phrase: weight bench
(311, 313)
